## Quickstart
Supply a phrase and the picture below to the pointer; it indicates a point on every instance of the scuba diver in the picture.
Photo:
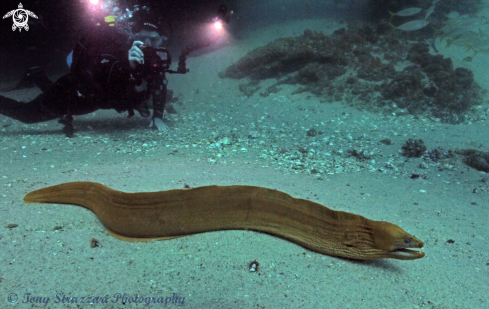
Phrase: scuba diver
(108, 71)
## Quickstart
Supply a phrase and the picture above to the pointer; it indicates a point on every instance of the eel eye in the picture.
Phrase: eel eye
(407, 241)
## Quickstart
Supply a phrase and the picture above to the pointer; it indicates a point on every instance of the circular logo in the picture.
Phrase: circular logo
(12, 298)
(20, 18)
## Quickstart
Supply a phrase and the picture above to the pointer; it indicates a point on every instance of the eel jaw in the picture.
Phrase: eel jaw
(406, 254)
(401, 249)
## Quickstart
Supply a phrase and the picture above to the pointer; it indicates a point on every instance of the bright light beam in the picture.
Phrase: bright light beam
(218, 25)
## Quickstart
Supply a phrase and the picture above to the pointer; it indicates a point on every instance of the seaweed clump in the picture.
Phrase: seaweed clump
(438, 154)
(358, 67)
(447, 93)
(288, 55)
(413, 148)
(476, 159)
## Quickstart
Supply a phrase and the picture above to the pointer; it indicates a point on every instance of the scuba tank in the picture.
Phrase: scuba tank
(99, 61)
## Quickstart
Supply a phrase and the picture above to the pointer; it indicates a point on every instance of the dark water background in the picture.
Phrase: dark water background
(47, 43)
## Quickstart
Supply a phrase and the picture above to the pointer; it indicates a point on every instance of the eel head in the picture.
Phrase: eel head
(394, 242)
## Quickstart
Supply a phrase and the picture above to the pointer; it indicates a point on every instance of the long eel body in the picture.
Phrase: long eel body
(175, 213)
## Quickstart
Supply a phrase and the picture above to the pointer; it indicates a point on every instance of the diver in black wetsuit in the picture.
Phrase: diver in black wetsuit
(104, 75)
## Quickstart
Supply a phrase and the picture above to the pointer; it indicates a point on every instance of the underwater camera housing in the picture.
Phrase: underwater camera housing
(157, 60)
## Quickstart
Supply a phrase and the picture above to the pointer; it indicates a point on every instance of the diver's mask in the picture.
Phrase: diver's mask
(152, 39)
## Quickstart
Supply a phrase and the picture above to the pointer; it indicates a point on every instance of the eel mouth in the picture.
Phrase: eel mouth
(406, 254)
(401, 249)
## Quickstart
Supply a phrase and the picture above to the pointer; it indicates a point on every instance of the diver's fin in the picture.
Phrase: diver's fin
(28, 80)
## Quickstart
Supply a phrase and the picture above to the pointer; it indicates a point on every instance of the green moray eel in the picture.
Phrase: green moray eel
(176, 213)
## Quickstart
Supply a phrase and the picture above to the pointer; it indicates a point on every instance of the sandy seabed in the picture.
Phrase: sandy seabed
(221, 137)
